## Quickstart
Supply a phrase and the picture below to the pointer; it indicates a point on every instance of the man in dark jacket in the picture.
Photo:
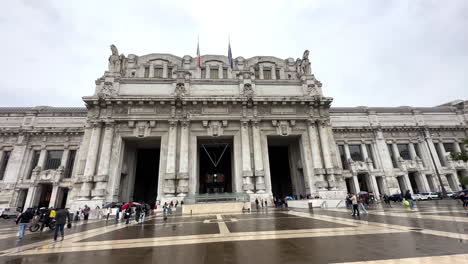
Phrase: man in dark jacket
(61, 218)
(24, 219)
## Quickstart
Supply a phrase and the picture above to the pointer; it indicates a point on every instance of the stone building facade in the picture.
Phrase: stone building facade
(161, 127)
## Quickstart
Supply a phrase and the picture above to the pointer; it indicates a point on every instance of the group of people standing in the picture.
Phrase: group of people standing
(60, 216)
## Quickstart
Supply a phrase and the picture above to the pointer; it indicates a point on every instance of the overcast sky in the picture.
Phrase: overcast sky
(374, 53)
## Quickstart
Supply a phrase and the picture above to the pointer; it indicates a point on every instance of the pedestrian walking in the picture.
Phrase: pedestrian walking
(86, 212)
(62, 217)
(117, 214)
(143, 214)
(361, 205)
(23, 220)
(354, 202)
(261, 202)
(266, 204)
(109, 210)
(464, 200)
(256, 203)
(409, 198)
(128, 215)
(137, 214)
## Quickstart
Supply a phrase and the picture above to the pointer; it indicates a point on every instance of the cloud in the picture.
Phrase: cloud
(366, 52)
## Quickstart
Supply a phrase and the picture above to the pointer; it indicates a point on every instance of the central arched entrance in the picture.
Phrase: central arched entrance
(215, 165)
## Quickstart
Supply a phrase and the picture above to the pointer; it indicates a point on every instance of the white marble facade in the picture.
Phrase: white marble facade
(171, 103)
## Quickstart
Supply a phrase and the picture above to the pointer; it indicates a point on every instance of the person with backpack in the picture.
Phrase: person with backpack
(62, 216)
(24, 219)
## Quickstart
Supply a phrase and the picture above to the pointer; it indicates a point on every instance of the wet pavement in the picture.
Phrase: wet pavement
(434, 232)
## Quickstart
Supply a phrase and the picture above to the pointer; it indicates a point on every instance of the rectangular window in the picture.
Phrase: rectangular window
(390, 151)
(214, 73)
(225, 73)
(146, 72)
(277, 72)
(266, 74)
(4, 163)
(158, 72)
(355, 151)
(54, 157)
(449, 147)
(403, 149)
(370, 154)
(70, 163)
(344, 162)
(203, 73)
(34, 161)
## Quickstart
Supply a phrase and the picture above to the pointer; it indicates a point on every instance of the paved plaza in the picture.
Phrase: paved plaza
(434, 232)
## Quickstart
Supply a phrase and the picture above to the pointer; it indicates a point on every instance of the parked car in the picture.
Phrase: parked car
(453, 195)
(395, 198)
(433, 196)
(7, 212)
(419, 196)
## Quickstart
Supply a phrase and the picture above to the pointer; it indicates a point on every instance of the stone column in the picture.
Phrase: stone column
(396, 153)
(365, 155)
(260, 72)
(42, 157)
(169, 178)
(151, 71)
(412, 151)
(165, 70)
(91, 160)
(316, 154)
(183, 175)
(207, 72)
(457, 147)
(327, 159)
(53, 196)
(220, 71)
(30, 197)
(273, 72)
(347, 152)
(356, 183)
(390, 181)
(258, 159)
(442, 151)
(408, 183)
(247, 174)
(100, 190)
(65, 156)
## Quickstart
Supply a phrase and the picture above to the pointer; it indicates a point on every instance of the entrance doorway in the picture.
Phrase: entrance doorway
(46, 193)
(363, 182)
(414, 182)
(215, 165)
(285, 162)
(146, 182)
(350, 185)
(62, 198)
(139, 180)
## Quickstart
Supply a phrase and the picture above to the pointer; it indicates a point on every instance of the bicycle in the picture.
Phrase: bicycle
(36, 224)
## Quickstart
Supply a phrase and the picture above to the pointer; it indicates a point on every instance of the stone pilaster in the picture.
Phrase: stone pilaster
(320, 181)
(327, 159)
(247, 174)
(53, 196)
(258, 159)
(91, 160)
(170, 176)
(100, 188)
(183, 175)
(412, 151)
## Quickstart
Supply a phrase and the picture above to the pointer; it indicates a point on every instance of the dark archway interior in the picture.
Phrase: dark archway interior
(46, 193)
(281, 184)
(362, 180)
(208, 182)
(146, 180)
(414, 184)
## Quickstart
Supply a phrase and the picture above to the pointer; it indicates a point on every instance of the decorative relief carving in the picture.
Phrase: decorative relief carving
(219, 110)
(180, 90)
(283, 110)
(142, 110)
(283, 127)
(248, 90)
(215, 128)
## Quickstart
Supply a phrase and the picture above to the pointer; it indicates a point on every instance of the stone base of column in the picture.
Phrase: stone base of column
(260, 181)
(182, 187)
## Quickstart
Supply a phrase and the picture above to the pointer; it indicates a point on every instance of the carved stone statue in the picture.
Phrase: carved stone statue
(180, 89)
(117, 63)
(248, 91)
(305, 63)
(298, 67)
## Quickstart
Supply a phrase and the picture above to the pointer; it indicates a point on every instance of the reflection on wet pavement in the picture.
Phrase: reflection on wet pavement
(435, 232)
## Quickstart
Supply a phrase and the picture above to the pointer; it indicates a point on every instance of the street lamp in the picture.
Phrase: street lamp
(444, 192)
